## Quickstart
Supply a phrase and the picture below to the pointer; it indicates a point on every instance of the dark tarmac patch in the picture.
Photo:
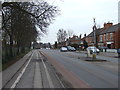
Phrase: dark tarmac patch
(91, 59)
(95, 60)
(116, 57)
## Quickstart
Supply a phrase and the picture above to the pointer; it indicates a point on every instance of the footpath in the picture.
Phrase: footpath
(8, 73)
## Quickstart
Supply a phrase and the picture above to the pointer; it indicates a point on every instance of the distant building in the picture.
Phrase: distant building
(108, 36)
(73, 40)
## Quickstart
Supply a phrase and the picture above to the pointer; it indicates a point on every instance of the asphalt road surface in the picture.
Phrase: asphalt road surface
(84, 74)
(46, 68)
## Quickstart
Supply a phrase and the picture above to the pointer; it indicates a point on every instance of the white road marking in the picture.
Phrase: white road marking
(48, 76)
(20, 75)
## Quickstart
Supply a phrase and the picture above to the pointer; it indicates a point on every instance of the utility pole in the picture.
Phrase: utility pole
(94, 32)
(94, 37)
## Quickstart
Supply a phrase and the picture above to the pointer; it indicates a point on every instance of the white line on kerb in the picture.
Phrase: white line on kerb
(20, 75)
(48, 76)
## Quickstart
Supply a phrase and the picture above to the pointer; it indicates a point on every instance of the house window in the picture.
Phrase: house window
(104, 37)
(107, 36)
(101, 38)
(111, 36)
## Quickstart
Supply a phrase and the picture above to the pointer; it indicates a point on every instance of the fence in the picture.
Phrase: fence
(6, 54)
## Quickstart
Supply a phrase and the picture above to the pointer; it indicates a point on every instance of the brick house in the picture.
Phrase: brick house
(61, 44)
(90, 40)
(73, 40)
(108, 36)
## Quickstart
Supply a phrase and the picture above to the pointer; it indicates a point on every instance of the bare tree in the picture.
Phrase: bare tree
(20, 19)
(70, 33)
(61, 35)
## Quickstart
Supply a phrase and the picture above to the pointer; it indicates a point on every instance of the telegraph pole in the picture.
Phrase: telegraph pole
(94, 37)
(94, 32)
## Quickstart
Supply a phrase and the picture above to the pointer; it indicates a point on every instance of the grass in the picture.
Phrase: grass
(13, 60)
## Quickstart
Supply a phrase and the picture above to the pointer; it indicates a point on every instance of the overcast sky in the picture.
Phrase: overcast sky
(78, 15)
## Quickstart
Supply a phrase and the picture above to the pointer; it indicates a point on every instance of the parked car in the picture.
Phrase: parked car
(118, 51)
(69, 48)
(63, 49)
(73, 49)
(47, 48)
(93, 49)
(103, 48)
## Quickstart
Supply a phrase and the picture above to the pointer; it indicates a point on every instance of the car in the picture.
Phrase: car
(47, 48)
(68, 48)
(71, 48)
(118, 51)
(63, 49)
(103, 47)
(93, 49)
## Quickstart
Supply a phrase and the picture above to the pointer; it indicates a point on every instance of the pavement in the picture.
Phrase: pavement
(31, 71)
(8, 73)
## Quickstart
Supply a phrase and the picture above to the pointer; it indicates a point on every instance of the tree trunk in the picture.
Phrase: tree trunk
(11, 46)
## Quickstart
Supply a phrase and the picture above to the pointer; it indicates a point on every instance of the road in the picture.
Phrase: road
(47, 68)
(90, 74)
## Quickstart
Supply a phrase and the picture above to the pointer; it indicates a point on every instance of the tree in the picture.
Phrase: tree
(85, 44)
(61, 35)
(70, 33)
(21, 18)
(55, 45)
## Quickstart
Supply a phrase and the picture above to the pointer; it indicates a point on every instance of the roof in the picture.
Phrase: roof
(97, 32)
(111, 29)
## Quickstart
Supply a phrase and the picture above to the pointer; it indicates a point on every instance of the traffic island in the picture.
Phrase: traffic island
(94, 60)
(91, 59)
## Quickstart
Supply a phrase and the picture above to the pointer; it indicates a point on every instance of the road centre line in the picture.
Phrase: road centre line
(21, 73)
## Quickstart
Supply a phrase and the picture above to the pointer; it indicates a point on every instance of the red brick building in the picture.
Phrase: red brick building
(108, 36)
(73, 40)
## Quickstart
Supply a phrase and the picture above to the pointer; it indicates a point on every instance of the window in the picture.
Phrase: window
(111, 36)
(101, 38)
(107, 36)
(104, 37)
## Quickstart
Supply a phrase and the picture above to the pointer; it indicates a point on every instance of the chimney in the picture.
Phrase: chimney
(80, 36)
(84, 35)
(107, 25)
